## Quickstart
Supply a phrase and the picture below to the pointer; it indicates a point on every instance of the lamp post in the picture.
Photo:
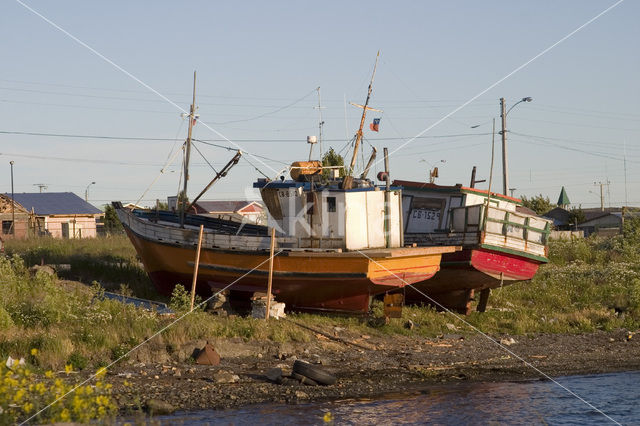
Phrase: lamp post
(433, 171)
(503, 114)
(86, 192)
(13, 205)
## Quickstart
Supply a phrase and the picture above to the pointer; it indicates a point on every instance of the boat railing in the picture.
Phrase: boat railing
(503, 228)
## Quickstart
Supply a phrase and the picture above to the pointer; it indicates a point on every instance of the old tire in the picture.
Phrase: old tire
(314, 373)
(304, 379)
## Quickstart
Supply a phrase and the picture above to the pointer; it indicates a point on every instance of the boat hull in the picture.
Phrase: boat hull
(331, 281)
(468, 271)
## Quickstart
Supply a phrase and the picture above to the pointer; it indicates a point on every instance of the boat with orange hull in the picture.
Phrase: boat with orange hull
(501, 243)
(304, 279)
(339, 238)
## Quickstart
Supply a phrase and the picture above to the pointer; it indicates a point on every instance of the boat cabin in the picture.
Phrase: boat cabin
(319, 213)
(457, 215)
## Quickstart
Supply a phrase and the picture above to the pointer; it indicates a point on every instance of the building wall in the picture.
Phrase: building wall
(21, 225)
(78, 226)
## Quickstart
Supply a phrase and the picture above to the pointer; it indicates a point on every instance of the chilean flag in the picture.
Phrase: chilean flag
(374, 126)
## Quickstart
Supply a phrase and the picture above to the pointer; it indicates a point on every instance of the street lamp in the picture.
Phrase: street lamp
(433, 171)
(13, 205)
(503, 114)
(86, 192)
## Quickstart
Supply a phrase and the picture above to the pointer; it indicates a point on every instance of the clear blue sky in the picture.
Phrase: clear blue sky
(256, 59)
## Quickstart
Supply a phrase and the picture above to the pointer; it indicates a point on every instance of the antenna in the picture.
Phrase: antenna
(41, 186)
(320, 123)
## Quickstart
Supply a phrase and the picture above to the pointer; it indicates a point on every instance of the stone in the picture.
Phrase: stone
(208, 356)
(508, 341)
(274, 375)
(159, 407)
(301, 395)
(224, 376)
(451, 326)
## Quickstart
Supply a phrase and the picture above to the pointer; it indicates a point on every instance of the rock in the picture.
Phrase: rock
(301, 395)
(274, 375)
(208, 356)
(224, 376)
(507, 341)
(45, 269)
(259, 355)
(452, 337)
(451, 326)
(156, 407)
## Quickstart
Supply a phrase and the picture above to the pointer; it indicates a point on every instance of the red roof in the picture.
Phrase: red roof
(227, 206)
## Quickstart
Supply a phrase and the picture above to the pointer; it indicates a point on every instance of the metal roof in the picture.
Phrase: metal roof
(50, 203)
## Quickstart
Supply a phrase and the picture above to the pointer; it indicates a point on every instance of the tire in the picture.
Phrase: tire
(314, 373)
(304, 379)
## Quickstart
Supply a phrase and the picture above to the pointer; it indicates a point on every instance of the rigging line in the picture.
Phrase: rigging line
(204, 158)
(127, 73)
(491, 339)
(505, 77)
(157, 333)
(228, 148)
(266, 113)
(167, 163)
(257, 169)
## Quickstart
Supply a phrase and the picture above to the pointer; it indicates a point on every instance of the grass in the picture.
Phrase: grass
(590, 284)
(111, 260)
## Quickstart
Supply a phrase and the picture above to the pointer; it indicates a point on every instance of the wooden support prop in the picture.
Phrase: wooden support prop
(273, 243)
(195, 267)
(484, 298)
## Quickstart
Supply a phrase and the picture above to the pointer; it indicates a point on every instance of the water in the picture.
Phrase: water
(534, 402)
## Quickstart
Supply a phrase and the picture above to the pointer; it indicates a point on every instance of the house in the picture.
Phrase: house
(606, 221)
(58, 214)
(244, 211)
(15, 218)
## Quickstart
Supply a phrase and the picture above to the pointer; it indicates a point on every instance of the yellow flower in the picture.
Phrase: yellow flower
(65, 416)
(328, 417)
(101, 372)
(27, 407)
(34, 352)
(68, 368)
(48, 374)
(127, 383)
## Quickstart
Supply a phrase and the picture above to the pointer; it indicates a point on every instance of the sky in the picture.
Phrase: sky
(123, 73)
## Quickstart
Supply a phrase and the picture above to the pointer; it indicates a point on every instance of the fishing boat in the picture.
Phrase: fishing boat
(502, 243)
(339, 241)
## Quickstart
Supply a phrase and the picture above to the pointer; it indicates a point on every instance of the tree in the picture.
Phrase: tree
(538, 203)
(332, 158)
(576, 215)
(111, 222)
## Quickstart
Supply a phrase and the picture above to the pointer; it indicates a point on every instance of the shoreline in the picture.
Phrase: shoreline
(366, 367)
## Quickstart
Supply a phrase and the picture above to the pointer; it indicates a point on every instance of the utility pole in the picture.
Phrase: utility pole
(13, 205)
(187, 154)
(505, 170)
(601, 184)
(503, 114)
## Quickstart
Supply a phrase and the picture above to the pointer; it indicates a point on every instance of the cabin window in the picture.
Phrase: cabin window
(331, 204)
(6, 226)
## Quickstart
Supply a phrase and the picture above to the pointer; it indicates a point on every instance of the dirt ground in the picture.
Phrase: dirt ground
(364, 366)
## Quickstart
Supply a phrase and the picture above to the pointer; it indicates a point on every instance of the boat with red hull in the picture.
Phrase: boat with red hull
(501, 243)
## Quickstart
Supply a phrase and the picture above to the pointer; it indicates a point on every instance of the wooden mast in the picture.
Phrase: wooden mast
(192, 115)
(348, 180)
